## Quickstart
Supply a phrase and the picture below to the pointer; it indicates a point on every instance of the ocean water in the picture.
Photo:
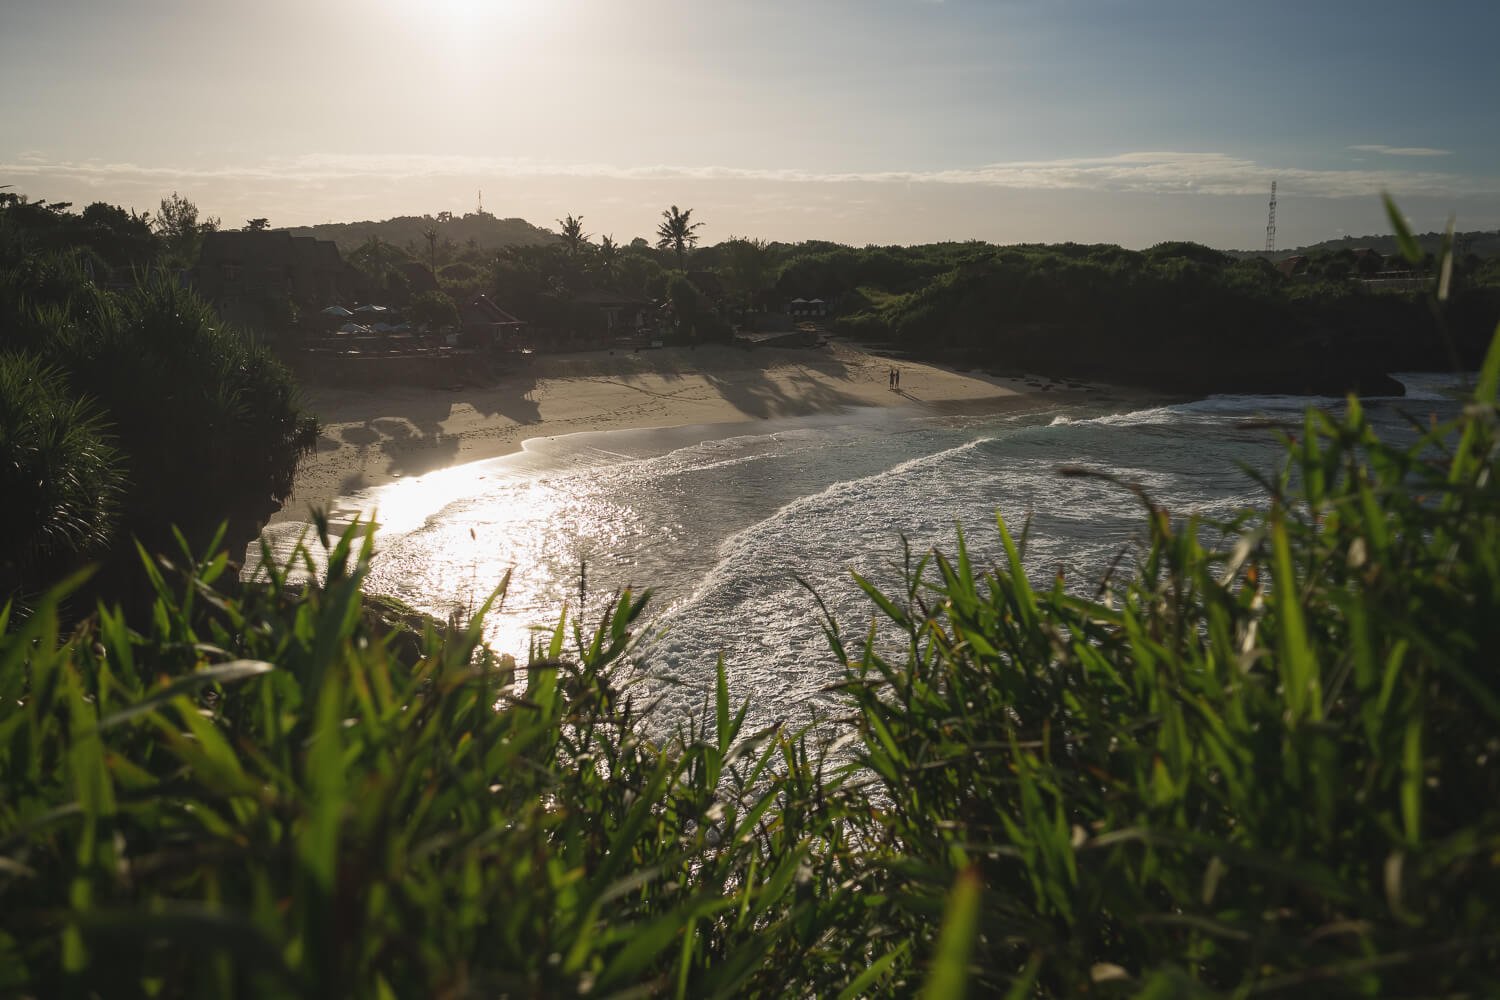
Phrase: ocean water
(732, 527)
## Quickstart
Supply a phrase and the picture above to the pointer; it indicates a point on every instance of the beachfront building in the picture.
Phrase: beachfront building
(236, 267)
(261, 278)
(624, 317)
(484, 324)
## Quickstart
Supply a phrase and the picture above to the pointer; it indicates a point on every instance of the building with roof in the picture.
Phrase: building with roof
(623, 314)
(484, 324)
(245, 273)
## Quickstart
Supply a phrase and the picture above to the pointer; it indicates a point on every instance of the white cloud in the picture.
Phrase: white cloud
(1161, 172)
(1403, 150)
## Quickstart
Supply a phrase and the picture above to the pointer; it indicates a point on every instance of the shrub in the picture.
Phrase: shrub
(60, 477)
(208, 421)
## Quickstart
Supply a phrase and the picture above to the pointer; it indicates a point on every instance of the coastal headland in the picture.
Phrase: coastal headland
(374, 435)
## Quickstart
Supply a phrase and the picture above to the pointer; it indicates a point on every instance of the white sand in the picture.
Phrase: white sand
(372, 436)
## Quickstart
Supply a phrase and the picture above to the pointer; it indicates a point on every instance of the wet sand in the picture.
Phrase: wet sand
(374, 436)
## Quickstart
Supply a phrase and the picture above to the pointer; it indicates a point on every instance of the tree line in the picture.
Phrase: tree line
(128, 411)
(1177, 316)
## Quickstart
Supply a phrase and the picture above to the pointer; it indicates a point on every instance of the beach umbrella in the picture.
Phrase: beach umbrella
(369, 309)
(338, 311)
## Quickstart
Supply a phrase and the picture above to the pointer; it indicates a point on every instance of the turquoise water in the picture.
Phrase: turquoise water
(727, 524)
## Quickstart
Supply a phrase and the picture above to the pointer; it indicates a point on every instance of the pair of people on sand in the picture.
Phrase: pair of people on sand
(895, 379)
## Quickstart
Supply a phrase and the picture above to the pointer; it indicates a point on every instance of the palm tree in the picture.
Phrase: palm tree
(574, 238)
(677, 233)
(607, 260)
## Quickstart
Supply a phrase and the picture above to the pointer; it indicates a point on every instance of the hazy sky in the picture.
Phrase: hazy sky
(863, 121)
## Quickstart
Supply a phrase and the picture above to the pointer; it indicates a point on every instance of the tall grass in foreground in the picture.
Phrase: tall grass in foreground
(277, 794)
(1267, 768)
(1264, 767)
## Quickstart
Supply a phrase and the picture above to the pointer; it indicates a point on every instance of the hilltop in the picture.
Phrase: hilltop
(487, 232)
(1478, 242)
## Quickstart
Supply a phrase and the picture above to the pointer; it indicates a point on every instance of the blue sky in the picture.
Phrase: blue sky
(878, 121)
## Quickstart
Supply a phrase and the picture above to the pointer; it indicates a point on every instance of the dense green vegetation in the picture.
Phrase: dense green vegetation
(1178, 317)
(128, 407)
(473, 230)
(1260, 763)
(59, 475)
(1481, 243)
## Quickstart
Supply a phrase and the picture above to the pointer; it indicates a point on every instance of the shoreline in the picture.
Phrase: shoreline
(374, 436)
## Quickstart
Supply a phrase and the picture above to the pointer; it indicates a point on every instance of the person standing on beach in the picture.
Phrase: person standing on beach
(890, 378)
(896, 379)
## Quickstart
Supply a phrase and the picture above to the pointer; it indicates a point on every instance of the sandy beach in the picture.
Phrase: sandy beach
(374, 436)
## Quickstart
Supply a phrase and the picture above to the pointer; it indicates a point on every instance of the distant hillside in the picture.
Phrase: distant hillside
(487, 231)
(1479, 243)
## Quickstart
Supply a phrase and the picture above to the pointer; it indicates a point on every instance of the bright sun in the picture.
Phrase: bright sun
(486, 13)
(466, 37)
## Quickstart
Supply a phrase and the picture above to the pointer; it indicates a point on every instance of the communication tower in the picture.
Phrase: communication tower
(480, 209)
(1271, 222)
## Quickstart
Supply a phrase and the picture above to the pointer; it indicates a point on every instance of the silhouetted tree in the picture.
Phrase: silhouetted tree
(573, 236)
(748, 268)
(677, 233)
(120, 237)
(178, 225)
(257, 225)
(433, 310)
(640, 275)
(688, 306)
(376, 258)
(607, 260)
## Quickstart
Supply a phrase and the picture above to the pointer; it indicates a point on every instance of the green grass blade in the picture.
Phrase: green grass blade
(877, 970)
(1404, 239)
(223, 673)
(948, 977)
